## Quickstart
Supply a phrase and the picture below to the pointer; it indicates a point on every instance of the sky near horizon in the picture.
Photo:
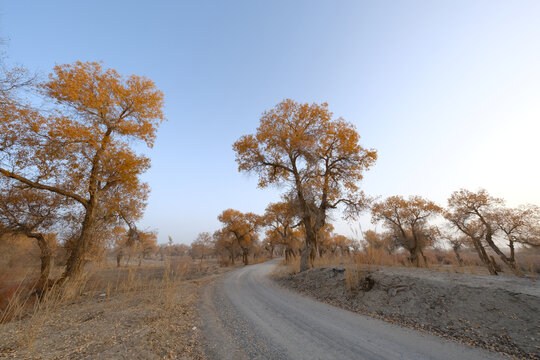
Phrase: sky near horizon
(448, 92)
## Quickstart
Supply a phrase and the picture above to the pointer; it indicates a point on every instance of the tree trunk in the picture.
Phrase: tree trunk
(458, 256)
(495, 265)
(484, 257)
(413, 256)
(307, 256)
(423, 256)
(245, 257)
(119, 257)
(76, 261)
(304, 262)
(45, 258)
(510, 262)
(512, 251)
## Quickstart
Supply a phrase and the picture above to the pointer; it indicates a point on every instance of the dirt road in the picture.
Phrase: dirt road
(247, 316)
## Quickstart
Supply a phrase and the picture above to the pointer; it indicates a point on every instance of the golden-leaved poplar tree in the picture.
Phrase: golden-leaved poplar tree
(80, 147)
(320, 158)
(35, 215)
(484, 220)
(225, 245)
(243, 229)
(281, 220)
(472, 214)
(202, 247)
(407, 219)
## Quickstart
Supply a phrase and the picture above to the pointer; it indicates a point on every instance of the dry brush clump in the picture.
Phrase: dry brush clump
(352, 277)
(21, 283)
(139, 306)
(20, 273)
(19, 298)
(102, 281)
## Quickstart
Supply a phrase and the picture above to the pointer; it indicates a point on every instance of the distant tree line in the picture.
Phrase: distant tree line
(319, 161)
(69, 176)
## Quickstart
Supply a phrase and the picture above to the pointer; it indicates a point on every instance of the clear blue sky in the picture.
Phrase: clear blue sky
(448, 92)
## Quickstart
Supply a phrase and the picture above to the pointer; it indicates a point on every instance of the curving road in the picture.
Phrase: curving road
(247, 316)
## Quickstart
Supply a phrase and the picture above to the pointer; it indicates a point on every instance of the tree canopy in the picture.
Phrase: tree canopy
(319, 157)
(80, 148)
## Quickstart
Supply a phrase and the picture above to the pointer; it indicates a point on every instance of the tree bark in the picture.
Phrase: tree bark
(423, 256)
(458, 257)
(512, 251)
(308, 253)
(416, 254)
(45, 258)
(245, 256)
(76, 261)
(233, 255)
(484, 257)
(508, 261)
(119, 257)
(495, 265)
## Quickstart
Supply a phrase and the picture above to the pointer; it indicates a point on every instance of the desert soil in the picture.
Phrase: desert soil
(152, 322)
(499, 313)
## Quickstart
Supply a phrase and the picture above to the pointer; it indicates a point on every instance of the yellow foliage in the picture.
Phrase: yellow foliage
(81, 150)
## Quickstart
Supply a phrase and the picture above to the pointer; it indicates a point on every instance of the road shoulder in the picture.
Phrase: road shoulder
(479, 311)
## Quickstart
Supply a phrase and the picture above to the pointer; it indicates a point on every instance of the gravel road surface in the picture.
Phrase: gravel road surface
(246, 315)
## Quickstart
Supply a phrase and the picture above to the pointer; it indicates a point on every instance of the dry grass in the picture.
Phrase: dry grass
(17, 287)
(128, 312)
(443, 260)
(352, 277)
(291, 267)
(19, 271)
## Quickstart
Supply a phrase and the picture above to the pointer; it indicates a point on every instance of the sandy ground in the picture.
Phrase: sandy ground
(497, 313)
(152, 322)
